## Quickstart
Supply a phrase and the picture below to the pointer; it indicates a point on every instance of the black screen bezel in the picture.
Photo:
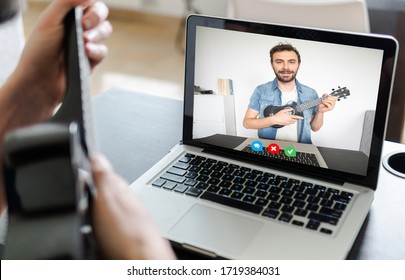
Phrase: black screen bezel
(387, 44)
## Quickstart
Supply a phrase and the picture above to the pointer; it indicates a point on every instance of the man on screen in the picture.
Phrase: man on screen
(284, 124)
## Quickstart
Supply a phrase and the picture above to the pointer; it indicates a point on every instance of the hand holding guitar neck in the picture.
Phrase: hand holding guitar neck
(328, 103)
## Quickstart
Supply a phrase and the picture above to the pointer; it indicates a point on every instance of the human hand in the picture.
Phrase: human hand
(41, 70)
(285, 117)
(122, 226)
(327, 104)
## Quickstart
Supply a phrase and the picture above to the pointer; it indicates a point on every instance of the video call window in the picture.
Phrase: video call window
(241, 62)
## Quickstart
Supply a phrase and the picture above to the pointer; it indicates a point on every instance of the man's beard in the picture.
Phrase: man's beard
(285, 80)
(8, 9)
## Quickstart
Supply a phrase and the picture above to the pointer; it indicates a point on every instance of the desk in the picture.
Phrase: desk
(136, 130)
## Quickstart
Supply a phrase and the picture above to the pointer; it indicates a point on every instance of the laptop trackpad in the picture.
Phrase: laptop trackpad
(215, 230)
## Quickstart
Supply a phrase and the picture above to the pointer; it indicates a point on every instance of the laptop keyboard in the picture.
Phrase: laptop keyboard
(301, 157)
(299, 203)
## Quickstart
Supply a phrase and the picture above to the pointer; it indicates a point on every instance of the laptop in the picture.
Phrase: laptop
(213, 196)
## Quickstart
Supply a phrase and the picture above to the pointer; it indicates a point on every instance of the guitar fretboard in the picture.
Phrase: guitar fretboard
(307, 105)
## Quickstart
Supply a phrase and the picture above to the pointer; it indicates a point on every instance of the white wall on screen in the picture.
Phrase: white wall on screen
(244, 58)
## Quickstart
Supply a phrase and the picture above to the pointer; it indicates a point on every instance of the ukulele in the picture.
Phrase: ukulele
(298, 109)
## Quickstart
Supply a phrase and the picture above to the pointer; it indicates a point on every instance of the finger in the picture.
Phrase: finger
(94, 15)
(96, 53)
(99, 33)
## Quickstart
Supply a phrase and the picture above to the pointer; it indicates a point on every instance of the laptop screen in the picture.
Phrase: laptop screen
(288, 97)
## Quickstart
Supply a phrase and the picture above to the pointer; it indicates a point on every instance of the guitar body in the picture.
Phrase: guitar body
(274, 109)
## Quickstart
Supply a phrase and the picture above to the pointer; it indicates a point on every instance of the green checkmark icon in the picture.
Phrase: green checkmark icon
(290, 151)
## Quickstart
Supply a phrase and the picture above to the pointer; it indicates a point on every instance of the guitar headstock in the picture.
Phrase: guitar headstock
(340, 93)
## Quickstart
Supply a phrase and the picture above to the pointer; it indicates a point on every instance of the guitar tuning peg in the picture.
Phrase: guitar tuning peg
(333, 89)
(338, 99)
(338, 86)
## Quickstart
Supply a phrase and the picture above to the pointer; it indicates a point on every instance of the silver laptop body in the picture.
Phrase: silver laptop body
(227, 220)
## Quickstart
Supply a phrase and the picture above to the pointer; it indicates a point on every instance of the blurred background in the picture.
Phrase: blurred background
(146, 49)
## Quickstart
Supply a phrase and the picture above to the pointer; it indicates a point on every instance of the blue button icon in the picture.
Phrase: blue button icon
(257, 146)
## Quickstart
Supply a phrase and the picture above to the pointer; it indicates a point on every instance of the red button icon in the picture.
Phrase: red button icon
(274, 149)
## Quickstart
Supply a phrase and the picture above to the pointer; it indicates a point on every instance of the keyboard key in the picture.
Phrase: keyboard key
(301, 212)
(286, 200)
(297, 223)
(216, 174)
(217, 167)
(263, 187)
(190, 182)
(181, 188)
(257, 172)
(261, 194)
(181, 165)
(191, 175)
(340, 198)
(169, 185)
(195, 169)
(330, 212)
(225, 184)
(285, 217)
(312, 207)
(320, 188)
(346, 194)
(213, 189)
(287, 209)
(173, 177)
(225, 192)
(228, 178)
(262, 179)
(287, 193)
(158, 182)
(213, 181)
(274, 205)
(185, 159)
(340, 206)
(205, 172)
(250, 183)
(270, 213)
(249, 190)
(326, 231)
(202, 178)
(237, 188)
(237, 195)
(239, 180)
(276, 190)
(232, 202)
(323, 218)
(177, 171)
(325, 195)
(332, 190)
(300, 196)
(202, 186)
(261, 202)
(273, 197)
(193, 192)
(326, 202)
(249, 198)
(314, 225)
(299, 204)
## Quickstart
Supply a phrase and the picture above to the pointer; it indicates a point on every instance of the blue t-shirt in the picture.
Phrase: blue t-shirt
(269, 94)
